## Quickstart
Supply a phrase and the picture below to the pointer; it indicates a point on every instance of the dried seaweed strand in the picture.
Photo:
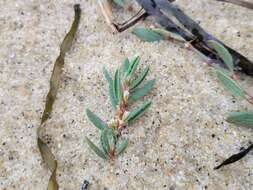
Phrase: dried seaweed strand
(46, 154)
(239, 2)
(235, 157)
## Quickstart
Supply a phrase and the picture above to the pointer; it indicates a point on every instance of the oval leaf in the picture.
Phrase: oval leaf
(140, 92)
(244, 119)
(119, 2)
(100, 124)
(138, 112)
(147, 35)
(133, 66)
(121, 147)
(117, 87)
(170, 35)
(230, 84)
(104, 141)
(140, 78)
(95, 148)
(125, 66)
(223, 54)
(111, 89)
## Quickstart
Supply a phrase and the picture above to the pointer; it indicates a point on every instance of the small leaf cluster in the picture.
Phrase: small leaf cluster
(124, 88)
(229, 80)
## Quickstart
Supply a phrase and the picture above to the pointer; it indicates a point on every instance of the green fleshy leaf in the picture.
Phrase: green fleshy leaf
(125, 66)
(138, 112)
(104, 141)
(223, 54)
(147, 35)
(99, 123)
(108, 139)
(133, 66)
(95, 149)
(121, 147)
(117, 86)
(230, 85)
(224, 70)
(111, 89)
(120, 3)
(244, 119)
(170, 35)
(140, 78)
(140, 92)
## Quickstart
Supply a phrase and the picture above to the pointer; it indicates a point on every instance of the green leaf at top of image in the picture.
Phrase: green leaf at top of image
(99, 123)
(223, 54)
(111, 89)
(140, 78)
(147, 34)
(135, 114)
(142, 91)
(230, 85)
(121, 147)
(169, 35)
(244, 119)
(95, 148)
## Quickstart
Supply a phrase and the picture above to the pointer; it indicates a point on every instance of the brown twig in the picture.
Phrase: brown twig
(239, 2)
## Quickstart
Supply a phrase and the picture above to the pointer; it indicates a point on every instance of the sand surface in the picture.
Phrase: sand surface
(173, 147)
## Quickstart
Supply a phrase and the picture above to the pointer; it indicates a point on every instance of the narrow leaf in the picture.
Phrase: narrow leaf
(108, 139)
(133, 66)
(138, 112)
(170, 35)
(223, 54)
(244, 119)
(121, 147)
(140, 78)
(100, 124)
(95, 149)
(125, 66)
(140, 92)
(230, 84)
(117, 86)
(147, 35)
(119, 2)
(104, 141)
(111, 89)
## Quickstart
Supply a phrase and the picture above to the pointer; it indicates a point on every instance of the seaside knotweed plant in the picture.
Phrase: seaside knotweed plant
(124, 89)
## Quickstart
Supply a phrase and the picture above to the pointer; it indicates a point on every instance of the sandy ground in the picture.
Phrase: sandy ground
(174, 146)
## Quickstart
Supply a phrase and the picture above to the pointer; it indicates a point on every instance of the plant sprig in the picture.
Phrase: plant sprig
(229, 80)
(124, 89)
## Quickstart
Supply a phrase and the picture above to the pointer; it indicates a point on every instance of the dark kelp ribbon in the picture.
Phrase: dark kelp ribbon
(235, 157)
(46, 154)
(191, 32)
